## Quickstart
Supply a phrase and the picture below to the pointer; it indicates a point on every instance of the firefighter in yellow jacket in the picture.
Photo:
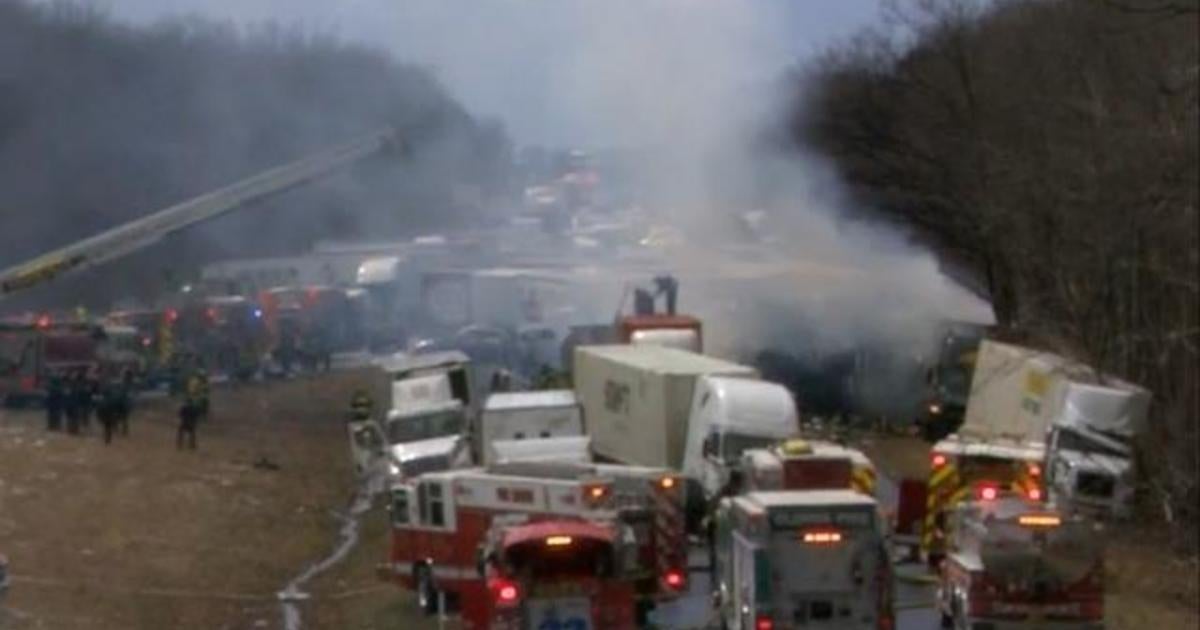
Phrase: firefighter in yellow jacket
(197, 393)
(361, 406)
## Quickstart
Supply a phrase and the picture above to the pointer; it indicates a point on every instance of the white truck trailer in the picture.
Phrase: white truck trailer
(637, 400)
(521, 425)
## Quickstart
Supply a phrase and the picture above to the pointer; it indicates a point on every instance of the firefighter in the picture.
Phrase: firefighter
(56, 400)
(197, 393)
(189, 415)
(125, 401)
(362, 407)
(108, 411)
(79, 403)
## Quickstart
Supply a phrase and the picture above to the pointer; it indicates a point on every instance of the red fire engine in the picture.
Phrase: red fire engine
(32, 352)
(1013, 563)
(556, 574)
(440, 519)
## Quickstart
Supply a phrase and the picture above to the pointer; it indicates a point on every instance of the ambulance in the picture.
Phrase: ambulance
(813, 559)
(439, 521)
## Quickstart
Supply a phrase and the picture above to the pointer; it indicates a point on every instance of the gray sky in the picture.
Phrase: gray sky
(554, 70)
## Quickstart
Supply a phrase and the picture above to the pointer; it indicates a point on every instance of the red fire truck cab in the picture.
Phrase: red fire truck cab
(561, 573)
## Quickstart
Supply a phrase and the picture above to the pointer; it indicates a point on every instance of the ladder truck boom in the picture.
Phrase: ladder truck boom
(134, 235)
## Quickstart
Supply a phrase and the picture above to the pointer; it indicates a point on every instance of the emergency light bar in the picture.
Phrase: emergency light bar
(822, 537)
(558, 541)
(1039, 520)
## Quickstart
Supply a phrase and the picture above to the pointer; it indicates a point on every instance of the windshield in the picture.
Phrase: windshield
(734, 444)
(1069, 440)
(425, 426)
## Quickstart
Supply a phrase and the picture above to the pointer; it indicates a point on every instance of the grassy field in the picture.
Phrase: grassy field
(138, 535)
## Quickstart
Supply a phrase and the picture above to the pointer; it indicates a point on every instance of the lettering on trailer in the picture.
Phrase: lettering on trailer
(1036, 385)
(792, 519)
(616, 397)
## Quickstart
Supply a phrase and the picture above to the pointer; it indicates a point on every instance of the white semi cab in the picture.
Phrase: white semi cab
(538, 424)
(802, 559)
(637, 400)
(730, 416)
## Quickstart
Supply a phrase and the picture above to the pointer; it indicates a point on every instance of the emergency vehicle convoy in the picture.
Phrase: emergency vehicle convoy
(440, 522)
(1012, 563)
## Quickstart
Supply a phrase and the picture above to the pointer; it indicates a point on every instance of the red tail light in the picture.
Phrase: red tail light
(938, 460)
(675, 579)
(987, 492)
(506, 593)
(43, 321)
(1034, 494)
(763, 622)
(1035, 470)
(172, 315)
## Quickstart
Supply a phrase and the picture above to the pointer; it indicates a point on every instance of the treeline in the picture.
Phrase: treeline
(101, 122)
(1049, 148)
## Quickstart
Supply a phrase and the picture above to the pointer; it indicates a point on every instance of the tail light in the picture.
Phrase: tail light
(558, 541)
(43, 321)
(505, 593)
(1035, 470)
(763, 622)
(1034, 494)
(987, 492)
(938, 460)
(668, 483)
(675, 579)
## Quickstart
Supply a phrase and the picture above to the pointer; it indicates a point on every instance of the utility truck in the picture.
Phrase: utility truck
(1013, 564)
(802, 559)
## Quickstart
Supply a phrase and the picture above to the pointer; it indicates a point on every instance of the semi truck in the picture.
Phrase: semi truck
(637, 400)
(1013, 564)
(802, 559)
(535, 420)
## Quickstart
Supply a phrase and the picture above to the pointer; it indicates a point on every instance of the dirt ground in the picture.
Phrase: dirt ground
(1151, 584)
(139, 535)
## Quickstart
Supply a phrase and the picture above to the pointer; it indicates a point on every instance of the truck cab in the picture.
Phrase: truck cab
(1013, 564)
(802, 559)
(1090, 476)
(730, 415)
(525, 422)
(562, 574)
(426, 438)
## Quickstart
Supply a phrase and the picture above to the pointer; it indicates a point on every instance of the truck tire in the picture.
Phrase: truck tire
(427, 595)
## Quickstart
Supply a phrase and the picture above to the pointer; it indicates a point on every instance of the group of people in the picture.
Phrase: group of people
(75, 396)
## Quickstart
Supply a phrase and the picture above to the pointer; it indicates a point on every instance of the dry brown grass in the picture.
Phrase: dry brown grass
(138, 535)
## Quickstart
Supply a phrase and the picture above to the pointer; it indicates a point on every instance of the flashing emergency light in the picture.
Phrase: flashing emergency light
(1039, 520)
(558, 541)
(764, 623)
(43, 321)
(172, 315)
(595, 494)
(938, 460)
(211, 313)
(988, 492)
(674, 578)
(507, 592)
(1034, 494)
(258, 313)
(667, 483)
(823, 537)
(146, 341)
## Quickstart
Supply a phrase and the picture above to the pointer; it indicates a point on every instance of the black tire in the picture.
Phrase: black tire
(427, 595)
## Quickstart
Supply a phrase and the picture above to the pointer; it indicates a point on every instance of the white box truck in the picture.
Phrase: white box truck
(637, 399)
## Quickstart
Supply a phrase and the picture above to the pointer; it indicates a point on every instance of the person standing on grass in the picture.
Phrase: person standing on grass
(55, 403)
(108, 411)
(125, 400)
(189, 416)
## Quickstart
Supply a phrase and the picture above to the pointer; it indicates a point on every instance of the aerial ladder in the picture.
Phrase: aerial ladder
(129, 237)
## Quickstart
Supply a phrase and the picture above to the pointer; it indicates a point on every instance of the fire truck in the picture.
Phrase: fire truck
(807, 465)
(802, 559)
(33, 352)
(964, 470)
(1011, 563)
(564, 574)
(313, 315)
(439, 519)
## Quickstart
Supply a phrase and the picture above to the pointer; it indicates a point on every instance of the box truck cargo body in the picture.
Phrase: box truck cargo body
(637, 399)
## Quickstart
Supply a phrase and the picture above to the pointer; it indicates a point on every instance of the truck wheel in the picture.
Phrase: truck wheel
(427, 596)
